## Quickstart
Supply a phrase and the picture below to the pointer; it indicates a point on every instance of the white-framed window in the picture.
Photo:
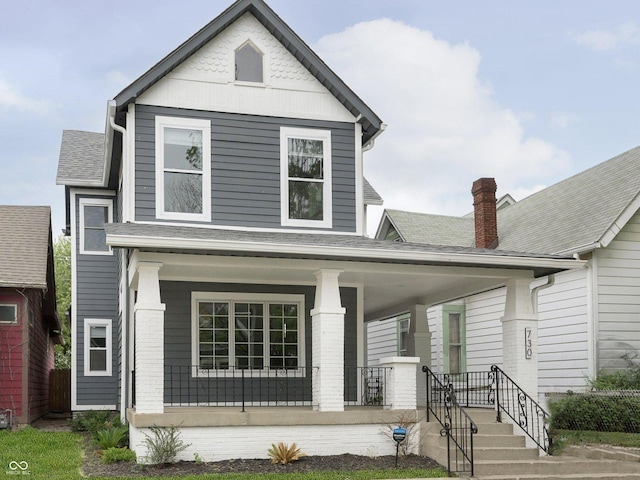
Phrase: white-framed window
(183, 168)
(97, 347)
(8, 313)
(249, 63)
(95, 213)
(404, 322)
(305, 177)
(247, 331)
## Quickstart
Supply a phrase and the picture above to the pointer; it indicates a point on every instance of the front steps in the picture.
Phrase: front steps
(499, 454)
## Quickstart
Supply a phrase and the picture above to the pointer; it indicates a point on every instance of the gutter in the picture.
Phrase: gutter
(342, 252)
(371, 142)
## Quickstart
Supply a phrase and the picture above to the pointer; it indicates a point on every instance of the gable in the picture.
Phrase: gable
(206, 80)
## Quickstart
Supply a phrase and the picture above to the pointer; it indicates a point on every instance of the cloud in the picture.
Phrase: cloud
(563, 120)
(445, 127)
(607, 40)
(12, 98)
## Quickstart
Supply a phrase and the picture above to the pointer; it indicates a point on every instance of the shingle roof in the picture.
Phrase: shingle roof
(81, 158)
(371, 123)
(575, 212)
(24, 246)
(371, 197)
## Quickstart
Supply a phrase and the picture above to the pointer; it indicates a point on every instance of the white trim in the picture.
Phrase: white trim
(74, 302)
(619, 223)
(94, 202)
(184, 123)
(98, 322)
(15, 313)
(129, 168)
(252, 298)
(260, 51)
(133, 241)
(327, 177)
(593, 316)
(361, 342)
(361, 218)
(77, 407)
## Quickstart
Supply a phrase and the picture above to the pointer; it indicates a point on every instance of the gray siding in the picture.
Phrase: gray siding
(97, 297)
(177, 340)
(245, 167)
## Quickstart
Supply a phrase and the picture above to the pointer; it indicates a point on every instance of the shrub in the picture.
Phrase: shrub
(91, 421)
(619, 380)
(596, 413)
(283, 453)
(112, 437)
(113, 455)
(163, 445)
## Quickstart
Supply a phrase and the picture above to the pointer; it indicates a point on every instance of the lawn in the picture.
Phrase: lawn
(58, 456)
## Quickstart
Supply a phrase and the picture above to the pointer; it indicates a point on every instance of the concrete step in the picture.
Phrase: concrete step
(498, 440)
(549, 467)
(502, 454)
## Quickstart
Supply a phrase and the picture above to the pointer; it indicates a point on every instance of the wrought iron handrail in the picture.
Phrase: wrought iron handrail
(456, 424)
(521, 408)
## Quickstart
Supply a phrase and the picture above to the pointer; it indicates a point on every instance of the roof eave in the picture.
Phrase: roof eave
(370, 122)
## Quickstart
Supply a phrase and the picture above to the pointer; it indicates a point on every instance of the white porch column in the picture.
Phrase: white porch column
(420, 347)
(149, 340)
(520, 336)
(400, 389)
(328, 343)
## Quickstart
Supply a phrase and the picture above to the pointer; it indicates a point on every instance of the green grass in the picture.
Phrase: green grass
(58, 456)
(562, 438)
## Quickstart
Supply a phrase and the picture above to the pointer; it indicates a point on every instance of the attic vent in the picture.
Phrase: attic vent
(248, 64)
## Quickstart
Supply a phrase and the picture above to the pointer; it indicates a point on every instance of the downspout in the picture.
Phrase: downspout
(123, 315)
(551, 280)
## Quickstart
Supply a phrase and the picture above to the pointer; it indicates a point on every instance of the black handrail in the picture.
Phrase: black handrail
(521, 408)
(457, 426)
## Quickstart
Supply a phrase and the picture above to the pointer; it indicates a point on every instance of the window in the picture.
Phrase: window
(95, 213)
(403, 335)
(305, 165)
(97, 347)
(454, 339)
(249, 64)
(247, 331)
(8, 313)
(183, 169)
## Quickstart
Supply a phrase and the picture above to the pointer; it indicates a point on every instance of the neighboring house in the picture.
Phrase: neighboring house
(29, 324)
(589, 319)
(220, 262)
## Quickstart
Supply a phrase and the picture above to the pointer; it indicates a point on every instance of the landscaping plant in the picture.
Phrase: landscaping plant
(283, 453)
(163, 445)
(113, 455)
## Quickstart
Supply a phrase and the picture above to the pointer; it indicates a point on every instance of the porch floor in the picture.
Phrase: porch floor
(268, 416)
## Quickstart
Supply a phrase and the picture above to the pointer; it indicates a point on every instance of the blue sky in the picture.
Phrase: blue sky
(526, 92)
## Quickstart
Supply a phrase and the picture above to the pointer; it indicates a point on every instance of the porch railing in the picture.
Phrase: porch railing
(192, 385)
(521, 408)
(471, 389)
(457, 426)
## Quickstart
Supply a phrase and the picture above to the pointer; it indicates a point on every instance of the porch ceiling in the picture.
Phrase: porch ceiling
(388, 288)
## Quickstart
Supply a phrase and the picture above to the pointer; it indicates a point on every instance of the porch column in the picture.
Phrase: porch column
(149, 341)
(400, 388)
(328, 343)
(520, 336)
(420, 347)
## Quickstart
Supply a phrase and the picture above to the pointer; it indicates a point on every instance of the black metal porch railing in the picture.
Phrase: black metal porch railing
(457, 426)
(471, 389)
(191, 385)
(521, 408)
(370, 382)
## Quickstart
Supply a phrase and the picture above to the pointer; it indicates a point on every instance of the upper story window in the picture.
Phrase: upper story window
(249, 64)
(95, 213)
(183, 169)
(305, 163)
(8, 313)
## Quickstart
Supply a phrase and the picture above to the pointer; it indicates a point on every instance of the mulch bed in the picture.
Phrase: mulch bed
(92, 465)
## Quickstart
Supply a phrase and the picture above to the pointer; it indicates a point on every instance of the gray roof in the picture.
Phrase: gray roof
(24, 246)
(371, 197)
(573, 213)
(343, 247)
(81, 158)
(371, 124)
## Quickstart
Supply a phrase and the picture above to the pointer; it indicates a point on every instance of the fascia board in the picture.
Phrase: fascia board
(130, 241)
(619, 223)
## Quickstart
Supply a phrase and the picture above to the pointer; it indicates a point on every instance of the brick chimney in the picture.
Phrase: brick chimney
(484, 212)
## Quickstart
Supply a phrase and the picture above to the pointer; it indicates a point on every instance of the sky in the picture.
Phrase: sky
(528, 92)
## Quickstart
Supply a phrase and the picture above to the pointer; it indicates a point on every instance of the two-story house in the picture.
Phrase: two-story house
(221, 272)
